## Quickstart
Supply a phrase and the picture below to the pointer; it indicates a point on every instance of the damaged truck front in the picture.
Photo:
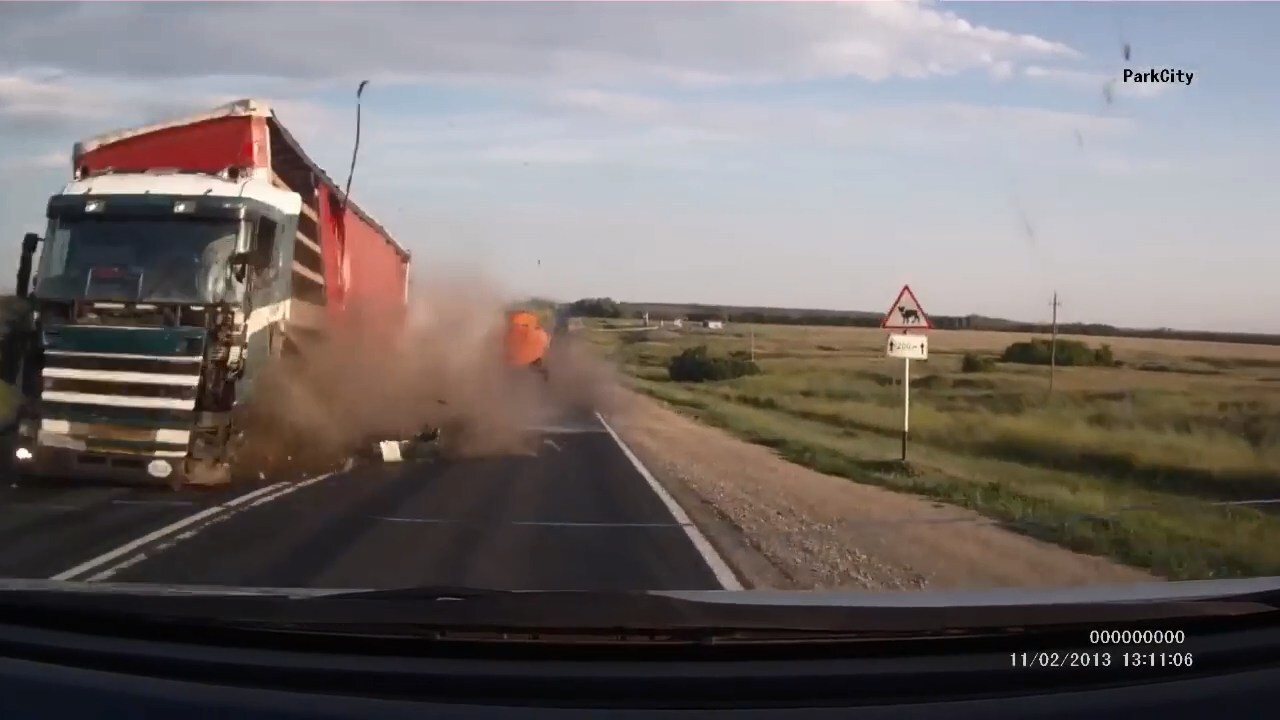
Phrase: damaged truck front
(177, 264)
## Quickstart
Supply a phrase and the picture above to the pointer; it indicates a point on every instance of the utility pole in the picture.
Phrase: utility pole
(1053, 342)
(752, 332)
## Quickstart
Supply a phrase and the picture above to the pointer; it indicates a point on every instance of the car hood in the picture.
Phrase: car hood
(1023, 596)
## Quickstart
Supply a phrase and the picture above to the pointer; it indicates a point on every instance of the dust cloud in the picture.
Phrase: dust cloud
(375, 378)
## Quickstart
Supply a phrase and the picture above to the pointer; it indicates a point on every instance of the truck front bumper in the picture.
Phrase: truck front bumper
(32, 460)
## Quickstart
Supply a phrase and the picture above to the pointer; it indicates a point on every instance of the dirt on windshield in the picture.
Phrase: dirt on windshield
(783, 526)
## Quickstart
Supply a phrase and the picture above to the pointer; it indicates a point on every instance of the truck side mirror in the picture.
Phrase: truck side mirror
(30, 242)
(239, 261)
(244, 239)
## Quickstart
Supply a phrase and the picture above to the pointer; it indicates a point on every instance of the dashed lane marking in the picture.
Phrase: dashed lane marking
(169, 541)
(208, 515)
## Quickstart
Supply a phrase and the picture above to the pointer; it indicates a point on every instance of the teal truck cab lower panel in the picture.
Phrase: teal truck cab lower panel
(115, 402)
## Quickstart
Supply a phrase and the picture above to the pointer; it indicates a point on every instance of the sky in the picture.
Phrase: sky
(793, 154)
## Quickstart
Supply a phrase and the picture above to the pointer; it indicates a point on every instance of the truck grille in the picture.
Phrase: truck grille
(119, 402)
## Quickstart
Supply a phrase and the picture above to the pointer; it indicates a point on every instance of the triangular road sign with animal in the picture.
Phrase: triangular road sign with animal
(906, 313)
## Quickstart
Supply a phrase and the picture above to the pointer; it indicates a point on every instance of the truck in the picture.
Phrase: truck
(179, 261)
(526, 342)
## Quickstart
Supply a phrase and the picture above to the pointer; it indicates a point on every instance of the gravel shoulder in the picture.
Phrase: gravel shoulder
(783, 526)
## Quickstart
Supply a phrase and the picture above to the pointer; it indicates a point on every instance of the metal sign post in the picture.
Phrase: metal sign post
(906, 314)
(906, 404)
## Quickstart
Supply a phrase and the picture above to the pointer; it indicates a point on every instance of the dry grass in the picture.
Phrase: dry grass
(1133, 462)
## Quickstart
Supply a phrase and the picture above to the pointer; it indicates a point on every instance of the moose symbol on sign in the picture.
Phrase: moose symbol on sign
(909, 315)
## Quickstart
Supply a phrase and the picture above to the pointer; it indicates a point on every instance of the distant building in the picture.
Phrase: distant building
(713, 324)
(677, 323)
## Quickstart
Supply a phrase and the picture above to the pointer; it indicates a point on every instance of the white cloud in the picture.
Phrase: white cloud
(933, 124)
(32, 100)
(1124, 165)
(576, 57)
(590, 127)
(597, 96)
(913, 40)
(1094, 81)
(549, 152)
(692, 45)
(571, 125)
(44, 161)
(40, 100)
(628, 106)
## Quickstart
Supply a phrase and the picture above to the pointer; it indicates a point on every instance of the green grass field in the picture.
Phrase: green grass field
(1139, 462)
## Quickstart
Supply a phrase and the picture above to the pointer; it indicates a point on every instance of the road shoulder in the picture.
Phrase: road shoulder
(783, 526)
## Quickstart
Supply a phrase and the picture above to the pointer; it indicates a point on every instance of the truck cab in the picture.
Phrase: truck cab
(179, 260)
(153, 293)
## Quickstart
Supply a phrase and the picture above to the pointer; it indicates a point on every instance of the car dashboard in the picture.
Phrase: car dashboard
(53, 673)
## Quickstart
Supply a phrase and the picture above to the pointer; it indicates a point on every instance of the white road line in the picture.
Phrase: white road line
(535, 523)
(171, 540)
(169, 529)
(563, 429)
(59, 507)
(700, 543)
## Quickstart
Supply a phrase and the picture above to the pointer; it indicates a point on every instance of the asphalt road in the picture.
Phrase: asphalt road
(579, 515)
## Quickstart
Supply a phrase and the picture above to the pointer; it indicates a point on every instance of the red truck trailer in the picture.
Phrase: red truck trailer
(180, 258)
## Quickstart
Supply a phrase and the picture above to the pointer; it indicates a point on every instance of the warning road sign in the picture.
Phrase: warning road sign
(906, 313)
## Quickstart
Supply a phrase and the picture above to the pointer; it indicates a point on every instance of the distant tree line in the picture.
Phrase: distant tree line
(597, 308)
(610, 308)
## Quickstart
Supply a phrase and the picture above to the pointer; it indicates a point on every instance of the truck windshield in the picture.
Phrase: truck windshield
(138, 260)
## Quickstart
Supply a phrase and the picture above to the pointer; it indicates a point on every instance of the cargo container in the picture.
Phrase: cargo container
(178, 261)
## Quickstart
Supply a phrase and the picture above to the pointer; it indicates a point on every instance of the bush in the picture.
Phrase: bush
(1038, 351)
(695, 365)
(596, 308)
(975, 363)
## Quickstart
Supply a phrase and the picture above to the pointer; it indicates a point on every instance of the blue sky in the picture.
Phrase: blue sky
(808, 155)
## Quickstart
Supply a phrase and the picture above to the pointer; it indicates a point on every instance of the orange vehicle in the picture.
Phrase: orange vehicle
(526, 342)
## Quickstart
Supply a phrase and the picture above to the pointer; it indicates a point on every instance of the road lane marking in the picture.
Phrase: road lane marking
(535, 523)
(564, 429)
(58, 507)
(261, 495)
(718, 566)
(232, 510)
